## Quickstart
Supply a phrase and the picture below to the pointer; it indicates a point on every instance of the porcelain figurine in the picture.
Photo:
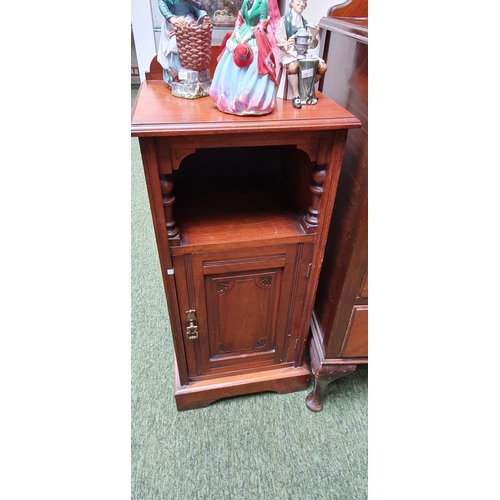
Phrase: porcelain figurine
(184, 47)
(274, 17)
(244, 81)
(294, 36)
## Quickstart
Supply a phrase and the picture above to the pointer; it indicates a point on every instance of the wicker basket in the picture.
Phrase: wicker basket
(193, 45)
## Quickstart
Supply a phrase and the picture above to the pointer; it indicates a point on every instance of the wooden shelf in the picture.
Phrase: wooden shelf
(232, 211)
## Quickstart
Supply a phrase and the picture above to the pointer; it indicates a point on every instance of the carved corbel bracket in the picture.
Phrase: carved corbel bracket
(170, 155)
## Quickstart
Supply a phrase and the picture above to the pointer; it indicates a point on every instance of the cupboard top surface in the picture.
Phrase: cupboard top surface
(158, 113)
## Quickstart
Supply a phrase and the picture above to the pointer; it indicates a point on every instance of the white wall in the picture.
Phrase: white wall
(144, 41)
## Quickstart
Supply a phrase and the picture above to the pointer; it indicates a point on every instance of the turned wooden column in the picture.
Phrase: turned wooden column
(310, 221)
(167, 187)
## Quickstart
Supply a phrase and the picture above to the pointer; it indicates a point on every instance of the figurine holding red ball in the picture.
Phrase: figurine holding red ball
(244, 81)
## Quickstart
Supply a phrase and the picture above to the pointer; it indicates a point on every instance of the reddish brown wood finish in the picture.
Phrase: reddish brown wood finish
(158, 114)
(350, 8)
(340, 322)
(355, 342)
(241, 208)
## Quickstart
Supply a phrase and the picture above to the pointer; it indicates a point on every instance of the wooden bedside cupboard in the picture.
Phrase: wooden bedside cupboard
(241, 207)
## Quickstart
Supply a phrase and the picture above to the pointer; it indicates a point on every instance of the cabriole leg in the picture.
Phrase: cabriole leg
(322, 378)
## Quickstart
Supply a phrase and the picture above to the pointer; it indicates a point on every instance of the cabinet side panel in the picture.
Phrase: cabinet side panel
(346, 255)
(363, 290)
(348, 293)
(190, 348)
(295, 317)
(151, 174)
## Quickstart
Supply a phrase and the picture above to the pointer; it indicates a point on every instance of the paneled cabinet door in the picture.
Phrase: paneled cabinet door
(247, 306)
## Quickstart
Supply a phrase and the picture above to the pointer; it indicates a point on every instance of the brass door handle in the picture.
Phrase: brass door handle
(191, 324)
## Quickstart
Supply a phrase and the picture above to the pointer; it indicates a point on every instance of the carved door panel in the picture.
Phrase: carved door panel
(245, 302)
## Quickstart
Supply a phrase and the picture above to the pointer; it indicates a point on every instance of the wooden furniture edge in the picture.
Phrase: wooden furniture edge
(203, 393)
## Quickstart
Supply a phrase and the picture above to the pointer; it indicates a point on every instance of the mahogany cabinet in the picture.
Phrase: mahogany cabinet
(241, 208)
(339, 340)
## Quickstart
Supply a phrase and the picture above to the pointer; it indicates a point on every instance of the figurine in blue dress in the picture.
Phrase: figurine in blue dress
(244, 82)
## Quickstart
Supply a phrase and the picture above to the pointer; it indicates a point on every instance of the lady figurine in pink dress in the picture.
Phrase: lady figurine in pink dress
(244, 82)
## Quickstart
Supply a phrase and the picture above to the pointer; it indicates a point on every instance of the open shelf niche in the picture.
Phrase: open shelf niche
(226, 197)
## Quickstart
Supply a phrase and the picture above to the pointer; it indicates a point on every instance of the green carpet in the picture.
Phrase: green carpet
(258, 447)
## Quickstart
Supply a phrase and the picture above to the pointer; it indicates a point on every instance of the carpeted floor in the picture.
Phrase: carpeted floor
(258, 447)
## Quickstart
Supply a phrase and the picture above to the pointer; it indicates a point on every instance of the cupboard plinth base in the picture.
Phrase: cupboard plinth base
(201, 394)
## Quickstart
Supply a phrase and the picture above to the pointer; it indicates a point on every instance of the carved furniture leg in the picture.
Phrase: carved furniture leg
(327, 374)
(324, 372)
